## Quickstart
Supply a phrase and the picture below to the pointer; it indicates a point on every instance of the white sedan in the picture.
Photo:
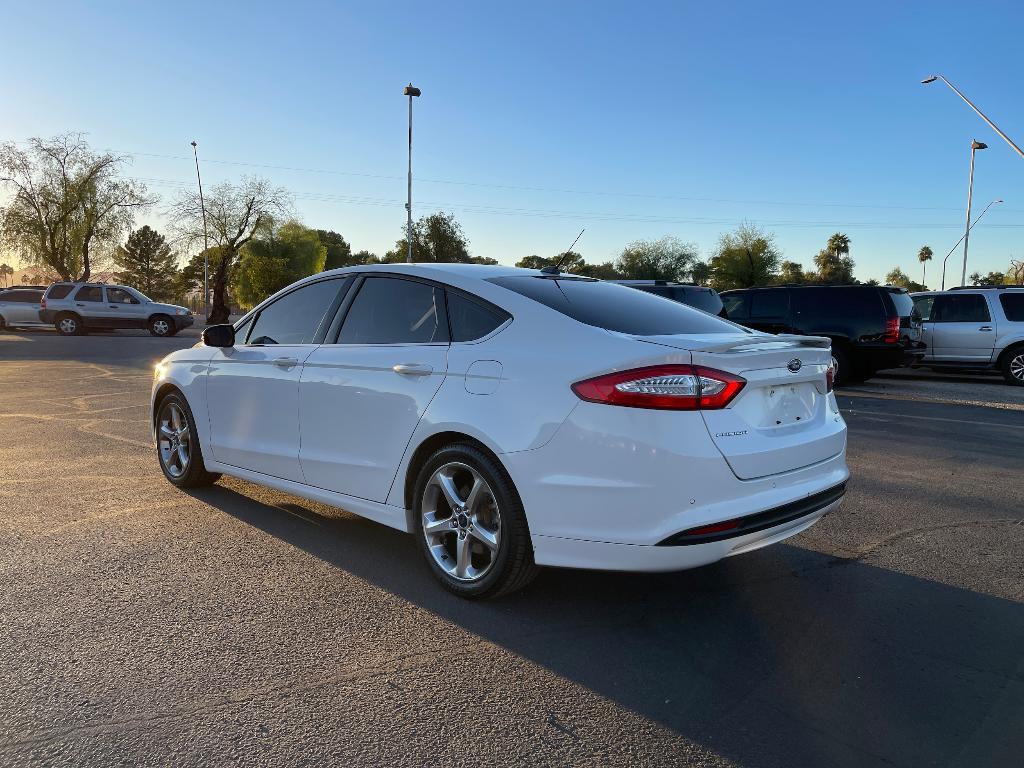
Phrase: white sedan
(512, 418)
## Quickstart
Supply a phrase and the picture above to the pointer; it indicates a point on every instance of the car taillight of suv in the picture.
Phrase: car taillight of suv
(892, 330)
(42, 302)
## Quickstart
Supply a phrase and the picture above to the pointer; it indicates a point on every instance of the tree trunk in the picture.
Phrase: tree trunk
(219, 309)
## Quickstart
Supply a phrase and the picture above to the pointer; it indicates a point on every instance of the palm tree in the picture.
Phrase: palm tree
(839, 244)
(924, 256)
(5, 270)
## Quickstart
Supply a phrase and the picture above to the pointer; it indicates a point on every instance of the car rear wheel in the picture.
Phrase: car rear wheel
(161, 325)
(1013, 366)
(177, 445)
(471, 525)
(68, 325)
(840, 366)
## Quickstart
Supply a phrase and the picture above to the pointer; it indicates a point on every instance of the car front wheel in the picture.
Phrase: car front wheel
(177, 445)
(161, 325)
(471, 525)
(1013, 367)
(68, 325)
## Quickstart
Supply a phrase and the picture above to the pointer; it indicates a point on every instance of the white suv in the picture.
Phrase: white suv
(974, 328)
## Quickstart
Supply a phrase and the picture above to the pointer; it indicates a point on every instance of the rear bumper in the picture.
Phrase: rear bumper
(888, 356)
(606, 556)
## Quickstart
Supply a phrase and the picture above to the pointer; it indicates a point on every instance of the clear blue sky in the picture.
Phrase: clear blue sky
(633, 119)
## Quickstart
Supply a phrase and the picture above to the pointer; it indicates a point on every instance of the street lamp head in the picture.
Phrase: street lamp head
(929, 79)
(975, 144)
(411, 90)
(193, 145)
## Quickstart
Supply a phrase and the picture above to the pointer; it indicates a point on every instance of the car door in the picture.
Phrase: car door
(89, 303)
(361, 397)
(252, 390)
(126, 311)
(960, 328)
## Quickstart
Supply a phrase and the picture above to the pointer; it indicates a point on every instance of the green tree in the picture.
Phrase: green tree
(666, 259)
(234, 214)
(924, 256)
(899, 278)
(572, 263)
(790, 272)
(365, 257)
(339, 252)
(992, 278)
(700, 272)
(275, 258)
(745, 258)
(146, 262)
(871, 281)
(833, 262)
(67, 201)
(437, 238)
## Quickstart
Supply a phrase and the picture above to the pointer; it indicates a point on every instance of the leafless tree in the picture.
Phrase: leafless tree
(67, 200)
(234, 213)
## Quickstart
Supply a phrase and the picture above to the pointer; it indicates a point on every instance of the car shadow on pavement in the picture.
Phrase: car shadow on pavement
(783, 656)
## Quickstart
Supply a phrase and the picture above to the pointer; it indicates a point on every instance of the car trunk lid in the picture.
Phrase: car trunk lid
(783, 419)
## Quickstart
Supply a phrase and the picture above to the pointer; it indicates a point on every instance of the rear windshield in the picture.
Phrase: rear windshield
(904, 304)
(615, 307)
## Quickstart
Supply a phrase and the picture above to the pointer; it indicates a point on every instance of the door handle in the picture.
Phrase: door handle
(286, 362)
(985, 328)
(79, 305)
(412, 369)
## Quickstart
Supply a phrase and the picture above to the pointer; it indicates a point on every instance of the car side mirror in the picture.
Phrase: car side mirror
(219, 336)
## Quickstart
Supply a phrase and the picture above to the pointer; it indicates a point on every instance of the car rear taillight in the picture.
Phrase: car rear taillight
(892, 330)
(665, 387)
(42, 302)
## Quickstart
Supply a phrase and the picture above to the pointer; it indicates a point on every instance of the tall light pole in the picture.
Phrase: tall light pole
(206, 241)
(409, 91)
(993, 126)
(975, 146)
(957, 243)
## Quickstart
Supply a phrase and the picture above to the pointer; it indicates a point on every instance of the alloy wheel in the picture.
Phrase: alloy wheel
(175, 440)
(461, 522)
(1017, 367)
(68, 325)
(161, 327)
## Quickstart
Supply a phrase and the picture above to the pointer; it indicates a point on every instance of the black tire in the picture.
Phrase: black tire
(162, 326)
(512, 566)
(194, 474)
(3, 324)
(68, 324)
(842, 363)
(1012, 366)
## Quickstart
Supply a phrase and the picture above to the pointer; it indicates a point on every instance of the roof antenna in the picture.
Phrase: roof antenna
(555, 269)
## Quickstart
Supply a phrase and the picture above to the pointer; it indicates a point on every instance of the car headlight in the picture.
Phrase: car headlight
(181, 311)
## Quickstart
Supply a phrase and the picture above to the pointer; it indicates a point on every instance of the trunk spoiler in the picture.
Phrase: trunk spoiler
(768, 341)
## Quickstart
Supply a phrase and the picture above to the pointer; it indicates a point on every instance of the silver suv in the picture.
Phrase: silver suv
(19, 307)
(974, 328)
(75, 308)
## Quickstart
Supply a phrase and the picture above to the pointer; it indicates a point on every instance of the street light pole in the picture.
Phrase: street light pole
(975, 146)
(957, 243)
(206, 241)
(409, 91)
(993, 126)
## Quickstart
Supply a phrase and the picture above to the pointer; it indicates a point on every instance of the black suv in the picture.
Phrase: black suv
(872, 327)
(705, 299)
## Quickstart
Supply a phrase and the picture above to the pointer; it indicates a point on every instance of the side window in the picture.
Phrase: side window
(1013, 305)
(769, 304)
(296, 316)
(59, 291)
(737, 306)
(960, 308)
(471, 320)
(22, 297)
(89, 293)
(923, 305)
(120, 296)
(393, 311)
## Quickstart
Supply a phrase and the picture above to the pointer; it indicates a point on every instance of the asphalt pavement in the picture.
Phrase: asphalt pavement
(141, 625)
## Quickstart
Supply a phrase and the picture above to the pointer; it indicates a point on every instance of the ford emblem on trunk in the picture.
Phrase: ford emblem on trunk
(795, 365)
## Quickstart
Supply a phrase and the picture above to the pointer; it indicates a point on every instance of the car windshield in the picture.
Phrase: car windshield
(137, 294)
(616, 307)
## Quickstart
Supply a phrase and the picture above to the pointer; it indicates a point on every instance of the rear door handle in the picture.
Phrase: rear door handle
(985, 328)
(79, 305)
(286, 362)
(412, 369)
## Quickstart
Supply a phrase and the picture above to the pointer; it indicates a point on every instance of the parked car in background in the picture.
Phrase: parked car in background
(19, 307)
(975, 328)
(490, 412)
(705, 299)
(871, 327)
(76, 308)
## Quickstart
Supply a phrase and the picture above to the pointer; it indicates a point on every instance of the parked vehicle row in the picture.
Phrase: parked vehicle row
(76, 308)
